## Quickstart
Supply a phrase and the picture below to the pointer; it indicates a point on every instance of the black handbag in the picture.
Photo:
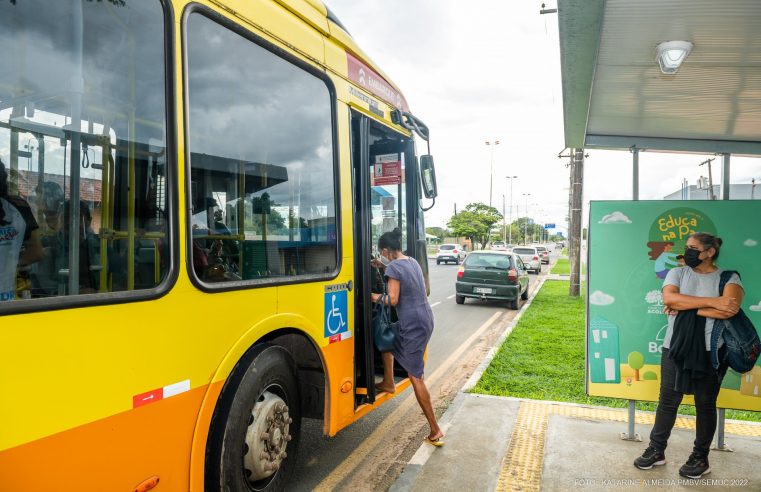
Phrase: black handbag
(384, 330)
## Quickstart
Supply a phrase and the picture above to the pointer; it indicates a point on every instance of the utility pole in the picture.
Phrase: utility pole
(574, 233)
(525, 224)
(711, 195)
(504, 227)
(491, 166)
(510, 234)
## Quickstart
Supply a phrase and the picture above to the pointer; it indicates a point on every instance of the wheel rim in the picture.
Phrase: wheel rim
(267, 438)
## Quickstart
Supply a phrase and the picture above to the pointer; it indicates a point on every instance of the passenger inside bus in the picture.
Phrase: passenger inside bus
(49, 201)
(214, 258)
(20, 244)
(89, 250)
(44, 275)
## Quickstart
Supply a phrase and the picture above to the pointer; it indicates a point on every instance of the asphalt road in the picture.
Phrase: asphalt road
(318, 456)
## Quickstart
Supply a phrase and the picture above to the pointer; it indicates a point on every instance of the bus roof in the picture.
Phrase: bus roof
(317, 14)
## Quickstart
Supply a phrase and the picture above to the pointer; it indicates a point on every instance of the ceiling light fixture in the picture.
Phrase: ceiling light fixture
(671, 54)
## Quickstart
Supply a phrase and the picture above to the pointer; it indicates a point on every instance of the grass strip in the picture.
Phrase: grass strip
(561, 267)
(543, 358)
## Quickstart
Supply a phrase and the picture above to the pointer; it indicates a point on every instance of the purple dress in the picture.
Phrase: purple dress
(415, 315)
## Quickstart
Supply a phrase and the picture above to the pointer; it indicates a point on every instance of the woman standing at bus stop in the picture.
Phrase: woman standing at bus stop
(406, 291)
(691, 296)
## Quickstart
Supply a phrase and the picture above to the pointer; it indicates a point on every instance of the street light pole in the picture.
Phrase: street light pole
(504, 227)
(510, 234)
(525, 225)
(491, 166)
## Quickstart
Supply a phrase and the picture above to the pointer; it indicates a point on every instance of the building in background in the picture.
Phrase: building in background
(736, 192)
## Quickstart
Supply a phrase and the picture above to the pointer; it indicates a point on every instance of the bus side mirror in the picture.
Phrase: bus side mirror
(428, 176)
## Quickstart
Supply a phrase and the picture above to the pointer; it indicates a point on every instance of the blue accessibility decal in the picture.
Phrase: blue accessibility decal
(336, 313)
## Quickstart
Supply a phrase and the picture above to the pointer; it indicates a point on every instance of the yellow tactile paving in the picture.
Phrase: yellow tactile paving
(522, 465)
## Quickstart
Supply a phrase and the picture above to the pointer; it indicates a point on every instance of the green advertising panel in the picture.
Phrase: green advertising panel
(631, 247)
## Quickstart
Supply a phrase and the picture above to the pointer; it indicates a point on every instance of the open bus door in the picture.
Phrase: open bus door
(387, 194)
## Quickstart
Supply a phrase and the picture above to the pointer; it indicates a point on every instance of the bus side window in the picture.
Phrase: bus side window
(102, 153)
(261, 161)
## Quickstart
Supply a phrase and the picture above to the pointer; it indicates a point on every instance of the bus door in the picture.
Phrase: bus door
(385, 179)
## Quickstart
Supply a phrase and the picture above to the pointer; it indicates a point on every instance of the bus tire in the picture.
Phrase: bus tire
(255, 429)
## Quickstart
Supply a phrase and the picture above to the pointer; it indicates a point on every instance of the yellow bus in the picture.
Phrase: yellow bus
(191, 194)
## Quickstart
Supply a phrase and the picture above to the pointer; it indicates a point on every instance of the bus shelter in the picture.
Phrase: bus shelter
(679, 76)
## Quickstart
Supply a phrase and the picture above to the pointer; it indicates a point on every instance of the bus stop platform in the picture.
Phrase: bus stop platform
(498, 443)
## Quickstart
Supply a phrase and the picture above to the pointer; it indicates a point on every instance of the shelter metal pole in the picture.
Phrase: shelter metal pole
(635, 173)
(720, 444)
(631, 435)
(725, 177)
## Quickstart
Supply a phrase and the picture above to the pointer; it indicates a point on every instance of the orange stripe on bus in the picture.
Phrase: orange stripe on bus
(114, 453)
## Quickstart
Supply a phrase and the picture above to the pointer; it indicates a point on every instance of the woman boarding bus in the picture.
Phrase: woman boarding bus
(219, 159)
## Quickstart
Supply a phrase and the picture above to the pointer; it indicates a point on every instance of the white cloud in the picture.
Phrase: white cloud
(600, 298)
(471, 70)
(615, 218)
(750, 243)
(756, 307)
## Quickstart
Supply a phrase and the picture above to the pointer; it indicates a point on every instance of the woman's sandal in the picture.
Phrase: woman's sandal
(438, 442)
(381, 389)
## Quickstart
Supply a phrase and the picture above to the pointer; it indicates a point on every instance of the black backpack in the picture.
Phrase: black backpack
(740, 336)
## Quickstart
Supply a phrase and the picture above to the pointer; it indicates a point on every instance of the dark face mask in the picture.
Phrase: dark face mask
(691, 257)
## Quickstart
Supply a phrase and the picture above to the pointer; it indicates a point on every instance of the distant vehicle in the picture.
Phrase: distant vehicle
(530, 257)
(450, 252)
(498, 246)
(492, 275)
(544, 254)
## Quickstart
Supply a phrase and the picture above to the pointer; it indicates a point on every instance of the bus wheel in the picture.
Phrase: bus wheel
(260, 424)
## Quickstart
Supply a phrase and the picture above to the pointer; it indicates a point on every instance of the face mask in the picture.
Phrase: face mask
(384, 260)
(691, 257)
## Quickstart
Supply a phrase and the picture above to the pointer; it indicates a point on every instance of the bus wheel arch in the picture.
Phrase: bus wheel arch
(257, 417)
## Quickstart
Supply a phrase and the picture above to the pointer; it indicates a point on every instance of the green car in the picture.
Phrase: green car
(497, 275)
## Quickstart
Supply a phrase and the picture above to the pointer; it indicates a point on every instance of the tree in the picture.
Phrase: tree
(636, 361)
(475, 223)
(439, 232)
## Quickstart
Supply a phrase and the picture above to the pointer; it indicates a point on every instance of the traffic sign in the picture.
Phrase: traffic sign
(549, 226)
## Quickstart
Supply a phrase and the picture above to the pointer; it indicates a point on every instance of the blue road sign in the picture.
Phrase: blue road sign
(549, 226)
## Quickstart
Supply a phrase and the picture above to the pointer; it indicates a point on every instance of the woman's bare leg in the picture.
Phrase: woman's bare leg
(387, 384)
(424, 400)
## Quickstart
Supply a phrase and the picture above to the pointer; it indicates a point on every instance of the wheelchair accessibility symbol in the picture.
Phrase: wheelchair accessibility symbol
(336, 313)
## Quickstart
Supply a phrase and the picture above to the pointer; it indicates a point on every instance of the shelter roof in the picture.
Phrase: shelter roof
(615, 96)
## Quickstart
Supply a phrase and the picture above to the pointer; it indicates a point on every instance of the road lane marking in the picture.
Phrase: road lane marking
(387, 426)
(435, 304)
(450, 297)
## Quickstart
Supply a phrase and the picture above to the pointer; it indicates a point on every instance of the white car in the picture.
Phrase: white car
(450, 252)
(530, 256)
(498, 246)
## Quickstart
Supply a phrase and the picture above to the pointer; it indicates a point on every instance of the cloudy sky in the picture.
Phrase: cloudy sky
(490, 70)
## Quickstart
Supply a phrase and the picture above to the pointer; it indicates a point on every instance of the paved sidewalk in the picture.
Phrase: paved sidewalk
(510, 444)
(495, 443)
